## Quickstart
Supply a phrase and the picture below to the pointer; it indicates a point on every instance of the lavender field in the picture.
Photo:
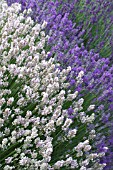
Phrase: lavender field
(56, 85)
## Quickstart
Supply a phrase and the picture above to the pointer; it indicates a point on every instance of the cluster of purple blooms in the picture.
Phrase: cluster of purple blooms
(66, 45)
(96, 18)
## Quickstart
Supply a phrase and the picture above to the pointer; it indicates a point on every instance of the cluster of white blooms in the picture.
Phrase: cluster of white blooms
(36, 131)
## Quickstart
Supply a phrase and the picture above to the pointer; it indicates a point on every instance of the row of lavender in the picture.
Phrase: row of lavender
(56, 97)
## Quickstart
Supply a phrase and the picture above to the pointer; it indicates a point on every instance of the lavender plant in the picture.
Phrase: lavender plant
(36, 131)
